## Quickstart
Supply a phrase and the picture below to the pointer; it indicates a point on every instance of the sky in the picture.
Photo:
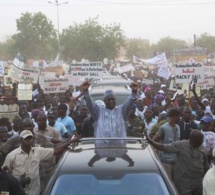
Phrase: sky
(146, 19)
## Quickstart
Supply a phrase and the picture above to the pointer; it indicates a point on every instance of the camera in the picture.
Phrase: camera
(24, 181)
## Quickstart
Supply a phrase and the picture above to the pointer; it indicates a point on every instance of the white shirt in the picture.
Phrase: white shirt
(21, 163)
(209, 182)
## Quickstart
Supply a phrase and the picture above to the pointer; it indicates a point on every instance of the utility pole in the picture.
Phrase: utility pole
(58, 22)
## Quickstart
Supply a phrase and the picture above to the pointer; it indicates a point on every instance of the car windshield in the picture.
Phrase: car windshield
(127, 184)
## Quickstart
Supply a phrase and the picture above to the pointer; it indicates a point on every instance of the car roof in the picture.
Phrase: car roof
(83, 153)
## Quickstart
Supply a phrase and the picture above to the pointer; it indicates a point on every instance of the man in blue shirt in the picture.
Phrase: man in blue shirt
(59, 127)
(65, 119)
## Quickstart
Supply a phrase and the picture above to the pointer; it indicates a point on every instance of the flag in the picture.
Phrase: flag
(157, 60)
(137, 60)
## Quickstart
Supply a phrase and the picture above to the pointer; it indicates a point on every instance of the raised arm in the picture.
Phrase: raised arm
(127, 105)
(93, 108)
(196, 97)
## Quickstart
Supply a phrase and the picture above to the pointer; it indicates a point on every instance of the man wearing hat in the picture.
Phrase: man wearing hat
(209, 178)
(109, 121)
(24, 161)
(209, 136)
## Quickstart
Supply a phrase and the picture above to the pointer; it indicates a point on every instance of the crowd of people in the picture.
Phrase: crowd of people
(181, 130)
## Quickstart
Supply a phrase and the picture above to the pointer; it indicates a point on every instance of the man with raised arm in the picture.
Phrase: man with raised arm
(109, 121)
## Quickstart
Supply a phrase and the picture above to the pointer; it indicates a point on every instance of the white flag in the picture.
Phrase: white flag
(137, 60)
(158, 60)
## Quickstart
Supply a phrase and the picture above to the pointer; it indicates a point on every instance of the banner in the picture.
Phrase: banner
(87, 69)
(148, 81)
(15, 73)
(206, 84)
(75, 81)
(184, 73)
(32, 74)
(1, 68)
(160, 60)
(55, 85)
(25, 91)
(164, 72)
(125, 68)
(209, 71)
(137, 60)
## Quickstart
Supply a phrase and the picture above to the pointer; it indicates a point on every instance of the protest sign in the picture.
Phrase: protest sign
(147, 81)
(125, 68)
(1, 68)
(25, 91)
(87, 69)
(75, 81)
(184, 73)
(58, 70)
(55, 85)
(160, 60)
(209, 71)
(49, 74)
(206, 84)
(32, 74)
(15, 73)
(164, 72)
(183, 88)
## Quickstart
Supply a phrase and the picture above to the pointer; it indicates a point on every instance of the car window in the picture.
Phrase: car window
(127, 184)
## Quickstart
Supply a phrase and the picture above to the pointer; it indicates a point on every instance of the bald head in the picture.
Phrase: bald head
(196, 138)
(28, 124)
(41, 116)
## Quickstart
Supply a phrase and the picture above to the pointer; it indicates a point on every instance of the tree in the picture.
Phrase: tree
(36, 37)
(7, 49)
(137, 47)
(168, 45)
(91, 41)
(206, 41)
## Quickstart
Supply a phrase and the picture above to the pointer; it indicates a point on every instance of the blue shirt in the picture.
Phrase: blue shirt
(60, 128)
(68, 123)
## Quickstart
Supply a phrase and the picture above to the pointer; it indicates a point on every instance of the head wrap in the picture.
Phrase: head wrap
(159, 96)
(108, 93)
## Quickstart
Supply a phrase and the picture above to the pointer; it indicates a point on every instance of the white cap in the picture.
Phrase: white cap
(204, 99)
(25, 133)
(163, 85)
(161, 91)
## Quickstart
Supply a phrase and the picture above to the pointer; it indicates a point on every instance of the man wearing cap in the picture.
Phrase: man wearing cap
(109, 121)
(24, 161)
(209, 136)
(209, 178)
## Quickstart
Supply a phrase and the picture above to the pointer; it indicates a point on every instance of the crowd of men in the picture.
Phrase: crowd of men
(181, 129)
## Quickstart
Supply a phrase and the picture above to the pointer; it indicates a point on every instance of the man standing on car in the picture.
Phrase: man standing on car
(109, 121)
